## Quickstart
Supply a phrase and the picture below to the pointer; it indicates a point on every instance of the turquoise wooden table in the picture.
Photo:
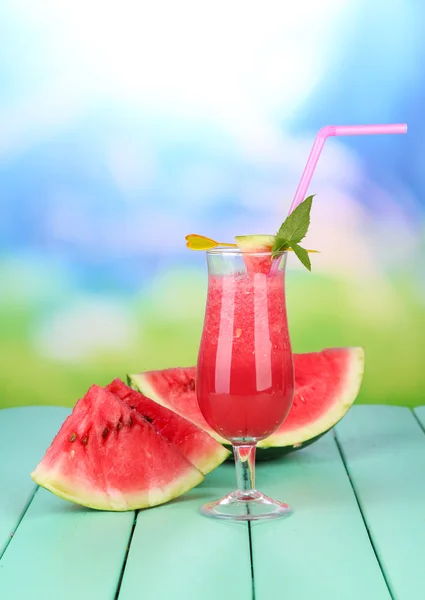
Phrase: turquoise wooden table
(357, 531)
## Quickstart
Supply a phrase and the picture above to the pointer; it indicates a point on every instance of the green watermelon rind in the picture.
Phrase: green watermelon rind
(259, 242)
(344, 399)
(113, 502)
(208, 465)
(273, 452)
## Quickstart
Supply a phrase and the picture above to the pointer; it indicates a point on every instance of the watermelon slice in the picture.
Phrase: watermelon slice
(109, 457)
(256, 243)
(200, 448)
(326, 385)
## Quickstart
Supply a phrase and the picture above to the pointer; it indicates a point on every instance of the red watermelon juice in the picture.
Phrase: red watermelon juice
(245, 380)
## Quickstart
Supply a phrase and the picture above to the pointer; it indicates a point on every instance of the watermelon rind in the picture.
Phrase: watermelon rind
(209, 464)
(343, 400)
(113, 500)
(273, 452)
(255, 243)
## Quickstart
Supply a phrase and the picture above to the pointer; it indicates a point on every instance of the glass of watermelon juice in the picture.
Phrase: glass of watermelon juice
(245, 376)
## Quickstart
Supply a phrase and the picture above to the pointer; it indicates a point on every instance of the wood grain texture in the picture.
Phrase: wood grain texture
(65, 551)
(420, 415)
(25, 434)
(178, 553)
(384, 450)
(322, 550)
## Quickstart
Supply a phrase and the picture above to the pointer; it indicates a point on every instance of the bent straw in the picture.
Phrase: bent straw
(319, 142)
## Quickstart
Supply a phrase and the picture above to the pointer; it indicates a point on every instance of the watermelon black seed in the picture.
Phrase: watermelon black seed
(105, 432)
(192, 384)
(130, 422)
(84, 440)
(73, 437)
(148, 419)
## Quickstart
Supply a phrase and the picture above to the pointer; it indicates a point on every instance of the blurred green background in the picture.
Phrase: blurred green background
(119, 136)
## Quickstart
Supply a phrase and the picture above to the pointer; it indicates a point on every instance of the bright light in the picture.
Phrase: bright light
(226, 60)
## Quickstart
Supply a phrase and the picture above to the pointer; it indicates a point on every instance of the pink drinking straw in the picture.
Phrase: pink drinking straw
(320, 140)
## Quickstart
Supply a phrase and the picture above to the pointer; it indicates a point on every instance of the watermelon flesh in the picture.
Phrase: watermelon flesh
(196, 445)
(174, 389)
(107, 456)
(326, 385)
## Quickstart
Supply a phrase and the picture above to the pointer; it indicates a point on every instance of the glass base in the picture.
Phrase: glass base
(240, 506)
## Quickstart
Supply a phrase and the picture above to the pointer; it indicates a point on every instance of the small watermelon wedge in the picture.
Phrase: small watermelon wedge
(326, 385)
(258, 243)
(107, 456)
(194, 443)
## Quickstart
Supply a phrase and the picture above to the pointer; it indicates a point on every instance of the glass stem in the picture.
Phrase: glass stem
(245, 468)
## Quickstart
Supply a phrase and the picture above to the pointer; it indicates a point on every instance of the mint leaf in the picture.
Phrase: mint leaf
(302, 255)
(295, 226)
(293, 230)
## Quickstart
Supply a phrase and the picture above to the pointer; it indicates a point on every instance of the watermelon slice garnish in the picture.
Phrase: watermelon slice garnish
(326, 385)
(108, 456)
(260, 244)
(194, 443)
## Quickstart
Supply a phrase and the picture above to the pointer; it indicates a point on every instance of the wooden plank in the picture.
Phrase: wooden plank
(178, 553)
(64, 551)
(67, 551)
(384, 450)
(420, 415)
(322, 550)
(25, 434)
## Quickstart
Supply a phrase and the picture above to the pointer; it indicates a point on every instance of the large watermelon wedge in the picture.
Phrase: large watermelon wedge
(109, 457)
(200, 448)
(326, 385)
